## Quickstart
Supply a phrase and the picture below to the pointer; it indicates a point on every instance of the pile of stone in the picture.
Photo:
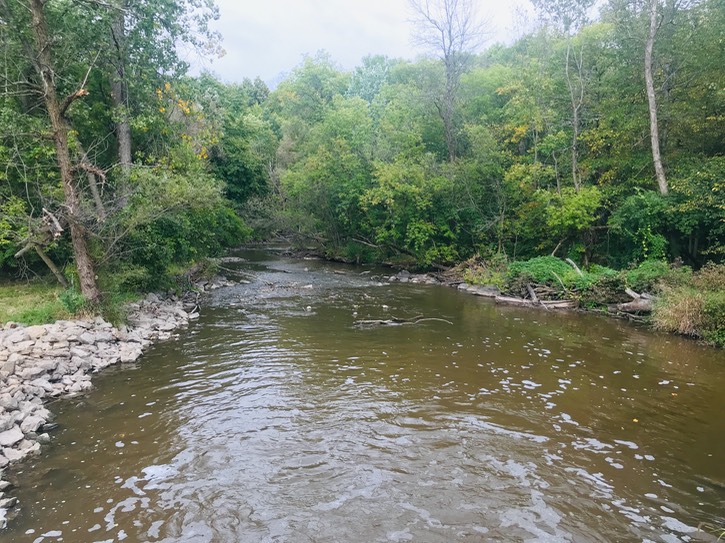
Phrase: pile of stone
(39, 363)
(405, 276)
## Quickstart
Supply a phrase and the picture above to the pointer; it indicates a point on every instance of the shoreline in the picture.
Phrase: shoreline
(43, 363)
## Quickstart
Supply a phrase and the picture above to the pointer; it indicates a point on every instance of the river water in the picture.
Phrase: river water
(275, 418)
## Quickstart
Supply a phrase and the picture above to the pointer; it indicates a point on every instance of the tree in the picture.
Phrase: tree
(454, 30)
(58, 78)
(569, 16)
(56, 110)
(651, 99)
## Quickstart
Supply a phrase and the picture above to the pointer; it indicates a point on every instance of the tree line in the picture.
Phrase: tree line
(602, 141)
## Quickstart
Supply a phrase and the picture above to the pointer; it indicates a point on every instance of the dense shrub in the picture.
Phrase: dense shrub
(543, 270)
(646, 276)
(177, 238)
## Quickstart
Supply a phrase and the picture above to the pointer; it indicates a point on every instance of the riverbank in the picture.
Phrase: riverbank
(667, 297)
(42, 363)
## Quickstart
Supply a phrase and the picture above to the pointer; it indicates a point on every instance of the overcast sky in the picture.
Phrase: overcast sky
(267, 38)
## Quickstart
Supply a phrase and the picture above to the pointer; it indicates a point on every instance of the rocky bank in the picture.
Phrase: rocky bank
(45, 362)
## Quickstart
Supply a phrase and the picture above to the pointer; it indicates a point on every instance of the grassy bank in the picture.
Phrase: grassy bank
(32, 302)
(42, 300)
(685, 302)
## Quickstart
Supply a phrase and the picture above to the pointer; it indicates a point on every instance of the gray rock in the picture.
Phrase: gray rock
(30, 373)
(8, 366)
(23, 347)
(42, 383)
(483, 290)
(31, 424)
(6, 422)
(36, 332)
(17, 337)
(130, 352)
(13, 455)
(11, 437)
(8, 402)
(3, 461)
(88, 338)
(7, 503)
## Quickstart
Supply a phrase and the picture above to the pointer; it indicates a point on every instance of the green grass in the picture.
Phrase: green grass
(33, 302)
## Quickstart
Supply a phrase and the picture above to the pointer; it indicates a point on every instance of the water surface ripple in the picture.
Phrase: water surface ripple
(275, 418)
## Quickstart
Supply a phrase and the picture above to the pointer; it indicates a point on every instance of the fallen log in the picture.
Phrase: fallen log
(547, 304)
(640, 305)
(510, 300)
(560, 304)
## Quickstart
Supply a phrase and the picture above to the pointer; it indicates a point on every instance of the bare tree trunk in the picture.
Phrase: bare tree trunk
(651, 100)
(448, 110)
(452, 29)
(55, 108)
(576, 104)
(119, 96)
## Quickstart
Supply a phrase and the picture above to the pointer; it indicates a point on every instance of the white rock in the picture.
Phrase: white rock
(13, 455)
(31, 424)
(11, 437)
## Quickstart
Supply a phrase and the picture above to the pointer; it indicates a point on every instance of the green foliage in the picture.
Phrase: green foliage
(647, 276)
(570, 212)
(543, 270)
(179, 237)
(641, 221)
(42, 314)
(407, 211)
(72, 300)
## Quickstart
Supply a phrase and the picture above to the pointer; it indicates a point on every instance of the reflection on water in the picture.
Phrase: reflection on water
(276, 418)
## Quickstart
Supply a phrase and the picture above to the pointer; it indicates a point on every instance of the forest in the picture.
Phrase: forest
(597, 139)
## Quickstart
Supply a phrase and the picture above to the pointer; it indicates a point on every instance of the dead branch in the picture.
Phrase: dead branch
(573, 265)
(395, 321)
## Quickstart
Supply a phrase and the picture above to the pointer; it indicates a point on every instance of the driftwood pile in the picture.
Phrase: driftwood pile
(534, 299)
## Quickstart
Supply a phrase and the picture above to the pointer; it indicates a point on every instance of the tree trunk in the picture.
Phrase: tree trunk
(651, 100)
(86, 273)
(448, 112)
(51, 266)
(119, 96)
(576, 103)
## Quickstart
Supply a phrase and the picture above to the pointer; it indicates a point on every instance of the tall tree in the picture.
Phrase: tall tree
(56, 109)
(454, 30)
(569, 16)
(651, 98)
(119, 88)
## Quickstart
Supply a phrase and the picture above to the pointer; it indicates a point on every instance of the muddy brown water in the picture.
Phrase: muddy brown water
(274, 418)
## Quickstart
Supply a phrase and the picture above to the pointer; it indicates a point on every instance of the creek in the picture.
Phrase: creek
(275, 418)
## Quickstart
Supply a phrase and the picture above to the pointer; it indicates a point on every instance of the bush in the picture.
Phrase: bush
(72, 300)
(543, 270)
(653, 275)
(696, 309)
(489, 271)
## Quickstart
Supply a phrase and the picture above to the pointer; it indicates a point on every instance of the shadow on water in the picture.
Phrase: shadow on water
(276, 418)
